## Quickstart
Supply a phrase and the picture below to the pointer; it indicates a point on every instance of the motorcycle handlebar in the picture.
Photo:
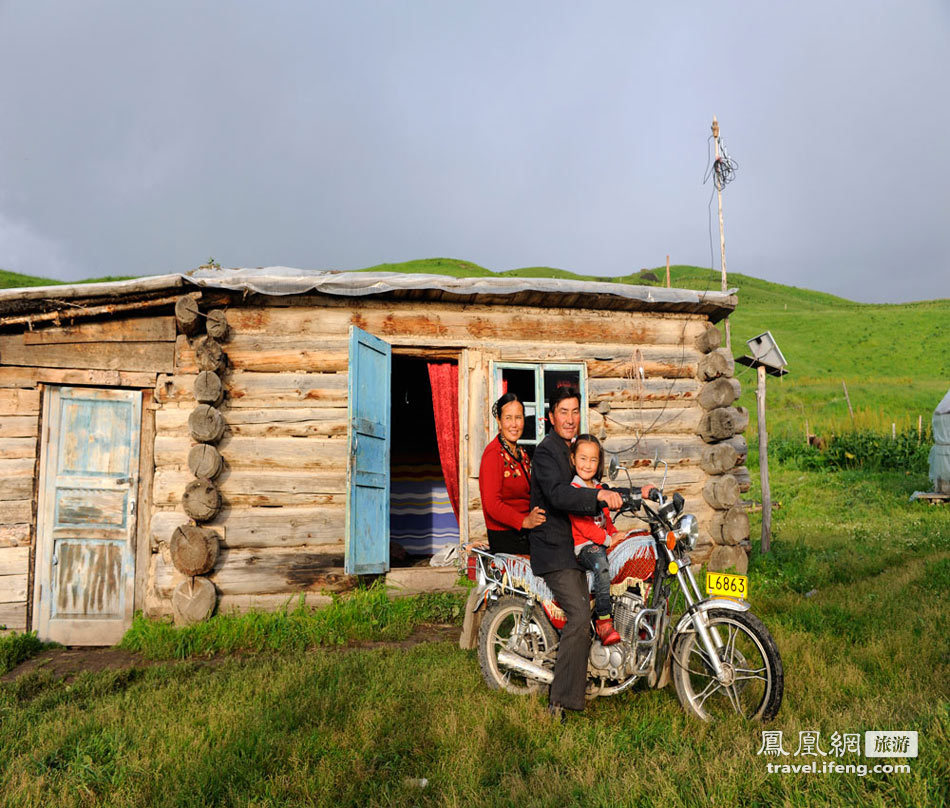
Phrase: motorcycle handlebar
(631, 496)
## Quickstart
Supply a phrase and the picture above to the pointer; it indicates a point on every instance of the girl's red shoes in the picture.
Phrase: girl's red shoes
(604, 627)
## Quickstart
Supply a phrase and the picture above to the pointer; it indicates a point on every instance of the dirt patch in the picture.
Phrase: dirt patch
(69, 662)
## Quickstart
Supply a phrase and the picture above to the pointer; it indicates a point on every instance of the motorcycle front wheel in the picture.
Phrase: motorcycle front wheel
(500, 630)
(754, 680)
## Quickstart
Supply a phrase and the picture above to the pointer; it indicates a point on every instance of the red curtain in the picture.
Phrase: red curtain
(444, 378)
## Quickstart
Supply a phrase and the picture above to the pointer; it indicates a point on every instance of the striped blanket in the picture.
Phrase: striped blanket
(420, 513)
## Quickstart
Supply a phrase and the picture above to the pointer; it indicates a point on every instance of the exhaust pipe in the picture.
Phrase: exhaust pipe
(522, 665)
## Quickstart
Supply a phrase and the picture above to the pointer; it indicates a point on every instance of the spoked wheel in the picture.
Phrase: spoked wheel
(753, 680)
(500, 630)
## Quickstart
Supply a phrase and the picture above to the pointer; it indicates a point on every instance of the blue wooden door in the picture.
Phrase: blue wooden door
(85, 550)
(367, 474)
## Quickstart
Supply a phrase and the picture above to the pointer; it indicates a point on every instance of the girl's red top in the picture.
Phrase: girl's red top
(587, 529)
(505, 487)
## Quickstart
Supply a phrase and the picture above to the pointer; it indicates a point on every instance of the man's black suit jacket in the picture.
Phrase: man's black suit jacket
(552, 545)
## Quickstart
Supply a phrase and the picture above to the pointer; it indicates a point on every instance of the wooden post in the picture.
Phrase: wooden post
(667, 271)
(920, 424)
(722, 233)
(764, 463)
(893, 431)
(848, 399)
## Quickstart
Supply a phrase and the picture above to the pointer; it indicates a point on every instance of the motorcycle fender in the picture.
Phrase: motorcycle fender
(685, 622)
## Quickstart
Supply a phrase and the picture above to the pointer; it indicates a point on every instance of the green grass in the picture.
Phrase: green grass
(11, 280)
(363, 615)
(16, 648)
(855, 593)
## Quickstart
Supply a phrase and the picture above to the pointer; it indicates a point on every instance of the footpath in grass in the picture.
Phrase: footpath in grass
(855, 593)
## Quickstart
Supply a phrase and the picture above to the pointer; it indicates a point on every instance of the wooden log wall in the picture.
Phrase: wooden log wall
(281, 524)
(120, 352)
(19, 430)
(281, 454)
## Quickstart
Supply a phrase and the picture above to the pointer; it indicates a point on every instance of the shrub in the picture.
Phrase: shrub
(16, 648)
(860, 449)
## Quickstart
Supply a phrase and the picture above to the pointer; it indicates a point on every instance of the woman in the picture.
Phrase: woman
(504, 481)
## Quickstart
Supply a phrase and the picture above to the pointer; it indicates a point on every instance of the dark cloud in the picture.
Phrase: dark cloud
(143, 138)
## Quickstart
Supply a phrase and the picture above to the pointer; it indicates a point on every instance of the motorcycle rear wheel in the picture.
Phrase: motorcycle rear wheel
(756, 680)
(498, 625)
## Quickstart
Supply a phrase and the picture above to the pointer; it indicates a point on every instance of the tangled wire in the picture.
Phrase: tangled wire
(723, 168)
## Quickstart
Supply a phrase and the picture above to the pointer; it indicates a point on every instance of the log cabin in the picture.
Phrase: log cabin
(232, 439)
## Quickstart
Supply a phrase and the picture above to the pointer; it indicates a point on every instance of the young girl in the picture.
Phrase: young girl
(593, 534)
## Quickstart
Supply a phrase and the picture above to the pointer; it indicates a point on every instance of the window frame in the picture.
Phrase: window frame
(540, 402)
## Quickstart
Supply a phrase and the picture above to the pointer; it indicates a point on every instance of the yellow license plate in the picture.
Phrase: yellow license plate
(731, 586)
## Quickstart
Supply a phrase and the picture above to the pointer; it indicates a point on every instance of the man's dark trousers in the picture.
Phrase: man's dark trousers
(570, 668)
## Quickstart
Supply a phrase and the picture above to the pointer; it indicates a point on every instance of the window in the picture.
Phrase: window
(534, 383)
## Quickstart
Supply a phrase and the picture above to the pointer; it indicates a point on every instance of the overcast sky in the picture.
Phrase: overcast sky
(145, 137)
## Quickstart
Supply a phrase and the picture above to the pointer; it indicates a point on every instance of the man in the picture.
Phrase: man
(552, 545)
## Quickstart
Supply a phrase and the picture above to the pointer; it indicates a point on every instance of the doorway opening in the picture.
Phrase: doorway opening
(421, 518)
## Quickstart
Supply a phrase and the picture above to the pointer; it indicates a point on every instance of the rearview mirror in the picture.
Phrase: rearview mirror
(613, 467)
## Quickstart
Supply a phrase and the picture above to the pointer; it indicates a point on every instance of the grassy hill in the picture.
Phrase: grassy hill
(10, 280)
(895, 359)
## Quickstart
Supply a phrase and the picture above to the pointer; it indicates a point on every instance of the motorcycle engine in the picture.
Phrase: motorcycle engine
(609, 661)
(626, 608)
(617, 661)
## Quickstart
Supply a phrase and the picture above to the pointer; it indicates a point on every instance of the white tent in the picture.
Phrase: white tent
(940, 453)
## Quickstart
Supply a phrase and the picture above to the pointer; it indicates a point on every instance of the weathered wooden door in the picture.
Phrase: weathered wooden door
(85, 554)
(367, 475)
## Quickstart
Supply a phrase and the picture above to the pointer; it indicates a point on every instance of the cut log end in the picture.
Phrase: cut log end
(206, 424)
(193, 601)
(722, 492)
(208, 388)
(709, 339)
(205, 461)
(730, 527)
(718, 458)
(217, 324)
(201, 500)
(724, 558)
(209, 354)
(194, 549)
(716, 364)
(719, 393)
(187, 314)
(720, 423)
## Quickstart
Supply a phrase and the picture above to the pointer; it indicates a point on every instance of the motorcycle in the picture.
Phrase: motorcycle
(720, 656)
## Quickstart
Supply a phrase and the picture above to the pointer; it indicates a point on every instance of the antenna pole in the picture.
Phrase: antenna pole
(722, 232)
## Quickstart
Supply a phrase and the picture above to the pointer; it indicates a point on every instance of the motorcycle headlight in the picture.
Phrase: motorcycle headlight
(688, 529)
